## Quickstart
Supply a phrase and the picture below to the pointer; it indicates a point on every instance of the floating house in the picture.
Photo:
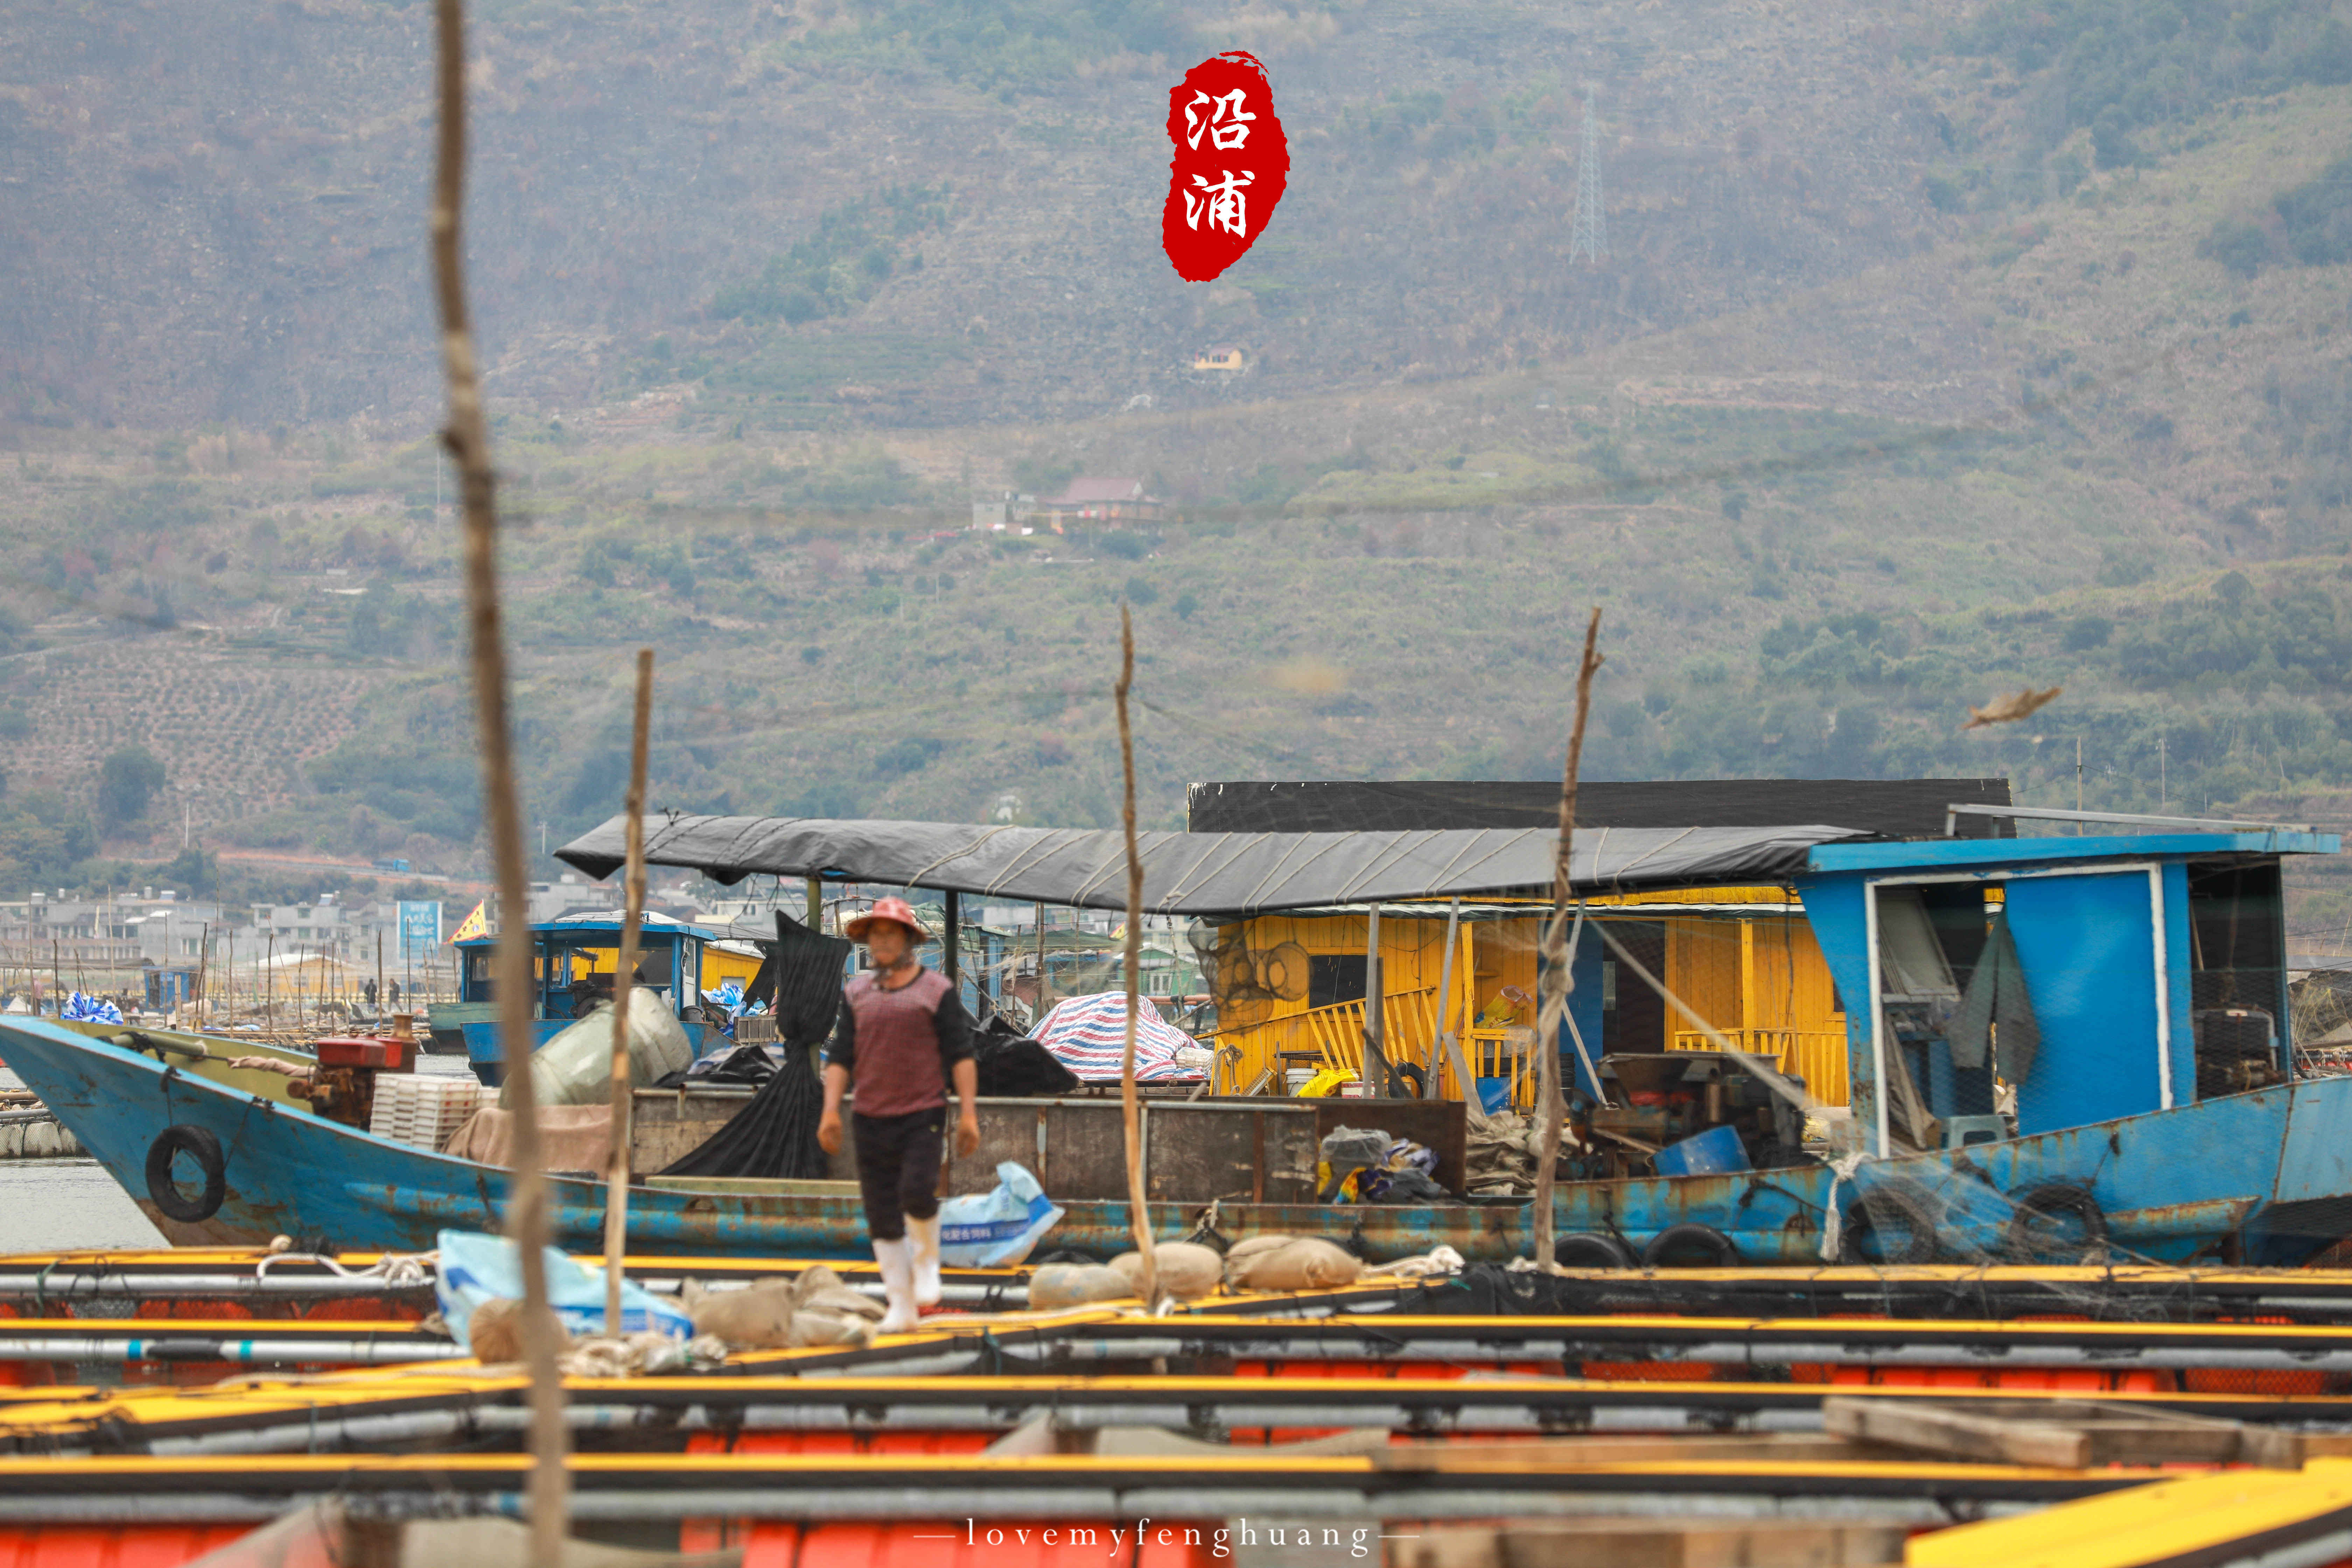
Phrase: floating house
(1293, 989)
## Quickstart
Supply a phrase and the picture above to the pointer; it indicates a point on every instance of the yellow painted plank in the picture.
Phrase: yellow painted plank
(2144, 1524)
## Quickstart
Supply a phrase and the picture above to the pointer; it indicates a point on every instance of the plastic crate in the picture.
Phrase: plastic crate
(421, 1109)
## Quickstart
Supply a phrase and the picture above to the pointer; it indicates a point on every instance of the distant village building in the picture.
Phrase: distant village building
(1089, 498)
(1224, 359)
(122, 931)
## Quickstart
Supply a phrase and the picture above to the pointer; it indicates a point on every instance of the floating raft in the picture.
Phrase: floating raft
(1418, 1483)
(53, 1284)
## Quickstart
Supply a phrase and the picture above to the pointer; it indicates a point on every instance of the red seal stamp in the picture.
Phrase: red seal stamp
(1232, 161)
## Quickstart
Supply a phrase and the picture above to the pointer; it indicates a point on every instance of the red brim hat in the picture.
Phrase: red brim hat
(885, 909)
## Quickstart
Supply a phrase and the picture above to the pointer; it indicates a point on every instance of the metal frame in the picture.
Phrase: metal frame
(1952, 814)
(2154, 870)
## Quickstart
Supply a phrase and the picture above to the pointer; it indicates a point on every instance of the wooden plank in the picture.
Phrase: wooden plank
(1537, 1454)
(1649, 1543)
(2070, 1434)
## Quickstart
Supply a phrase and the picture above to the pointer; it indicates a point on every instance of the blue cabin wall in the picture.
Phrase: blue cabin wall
(2088, 953)
(1836, 905)
(1584, 1006)
(2179, 973)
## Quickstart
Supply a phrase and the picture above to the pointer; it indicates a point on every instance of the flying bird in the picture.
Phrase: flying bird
(2015, 706)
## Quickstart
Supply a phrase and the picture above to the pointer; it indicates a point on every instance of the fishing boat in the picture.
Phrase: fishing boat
(2126, 988)
(572, 960)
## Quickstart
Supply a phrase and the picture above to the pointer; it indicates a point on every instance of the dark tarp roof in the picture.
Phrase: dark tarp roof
(1201, 873)
(1898, 808)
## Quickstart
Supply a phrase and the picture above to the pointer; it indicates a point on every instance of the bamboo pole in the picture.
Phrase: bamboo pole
(1548, 1108)
(616, 1188)
(466, 436)
(1139, 1217)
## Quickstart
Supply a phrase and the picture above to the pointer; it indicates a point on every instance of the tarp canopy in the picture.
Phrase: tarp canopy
(1900, 808)
(1202, 873)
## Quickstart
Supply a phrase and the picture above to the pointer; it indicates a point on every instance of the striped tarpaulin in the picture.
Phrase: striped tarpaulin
(1088, 1036)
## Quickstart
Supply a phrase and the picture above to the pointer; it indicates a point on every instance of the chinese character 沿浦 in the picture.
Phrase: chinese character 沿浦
(1223, 202)
(1227, 125)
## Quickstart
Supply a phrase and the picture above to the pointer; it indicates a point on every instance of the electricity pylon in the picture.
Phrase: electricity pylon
(1589, 238)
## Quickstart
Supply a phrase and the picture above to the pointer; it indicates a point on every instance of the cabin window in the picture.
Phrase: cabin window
(1334, 978)
(2236, 942)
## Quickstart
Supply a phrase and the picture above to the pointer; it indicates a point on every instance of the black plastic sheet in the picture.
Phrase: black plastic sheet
(774, 1136)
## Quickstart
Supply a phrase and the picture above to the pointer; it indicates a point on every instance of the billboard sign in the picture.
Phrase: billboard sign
(420, 930)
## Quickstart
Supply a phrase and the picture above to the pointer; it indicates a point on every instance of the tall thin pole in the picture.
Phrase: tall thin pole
(1037, 1008)
(1433, 1067)
(1139, 1217)
(466, 436)
(203, 971)
(616, 1187)
(1548, 1108)
(380, 997)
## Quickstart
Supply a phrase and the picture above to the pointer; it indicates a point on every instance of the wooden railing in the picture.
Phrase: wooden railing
(1817, 1055)
(1335, 1035)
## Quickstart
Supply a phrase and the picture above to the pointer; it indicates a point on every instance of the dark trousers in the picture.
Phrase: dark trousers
(898, 1169)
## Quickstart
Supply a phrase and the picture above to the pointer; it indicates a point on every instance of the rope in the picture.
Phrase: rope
(1842, 1169)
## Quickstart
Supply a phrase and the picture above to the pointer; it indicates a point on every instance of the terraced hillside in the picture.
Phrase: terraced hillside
(1994, 371)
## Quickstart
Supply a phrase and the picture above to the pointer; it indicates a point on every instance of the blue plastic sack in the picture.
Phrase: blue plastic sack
(475, 1268)
(1494, 1094)
(996, 1229)
(81, 1009)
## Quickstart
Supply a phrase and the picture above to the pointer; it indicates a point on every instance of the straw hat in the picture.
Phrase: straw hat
(885, 909)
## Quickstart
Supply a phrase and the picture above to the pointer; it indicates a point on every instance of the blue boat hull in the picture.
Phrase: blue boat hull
(2264, 1177)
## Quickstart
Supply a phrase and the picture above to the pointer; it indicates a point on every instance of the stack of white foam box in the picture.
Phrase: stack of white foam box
(423, 1110)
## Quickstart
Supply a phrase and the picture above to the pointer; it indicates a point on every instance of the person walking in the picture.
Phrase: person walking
(901, 1035)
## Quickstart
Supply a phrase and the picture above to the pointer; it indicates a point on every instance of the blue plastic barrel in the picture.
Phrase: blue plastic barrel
(1712, 1153)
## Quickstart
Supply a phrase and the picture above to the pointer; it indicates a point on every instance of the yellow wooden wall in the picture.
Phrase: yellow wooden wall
(1763, 972)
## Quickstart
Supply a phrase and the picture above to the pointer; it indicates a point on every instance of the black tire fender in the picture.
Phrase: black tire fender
(1900, 1206)
(2053, 1198)
(1678, 1240)
(1408, 1071)
(199, 1144)
(1591, 1250)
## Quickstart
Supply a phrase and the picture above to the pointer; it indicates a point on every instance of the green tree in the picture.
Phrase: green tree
(127, 781)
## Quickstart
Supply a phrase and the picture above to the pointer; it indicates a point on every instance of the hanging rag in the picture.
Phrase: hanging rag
(1996, 1016)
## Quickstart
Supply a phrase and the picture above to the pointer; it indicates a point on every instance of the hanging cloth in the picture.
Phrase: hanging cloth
(775, 1134)
(1996, 1016)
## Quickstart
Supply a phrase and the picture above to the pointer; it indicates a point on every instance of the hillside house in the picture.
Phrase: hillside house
(1224, 359)
(1096, 499)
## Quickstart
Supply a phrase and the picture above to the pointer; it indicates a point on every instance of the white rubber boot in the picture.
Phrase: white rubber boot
(924, 1236)
(897, 1287)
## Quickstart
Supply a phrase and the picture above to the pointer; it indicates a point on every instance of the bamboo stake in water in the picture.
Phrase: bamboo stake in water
(468, 441)
(616, 1189)
(1548, 1106)
(1147, 1282)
